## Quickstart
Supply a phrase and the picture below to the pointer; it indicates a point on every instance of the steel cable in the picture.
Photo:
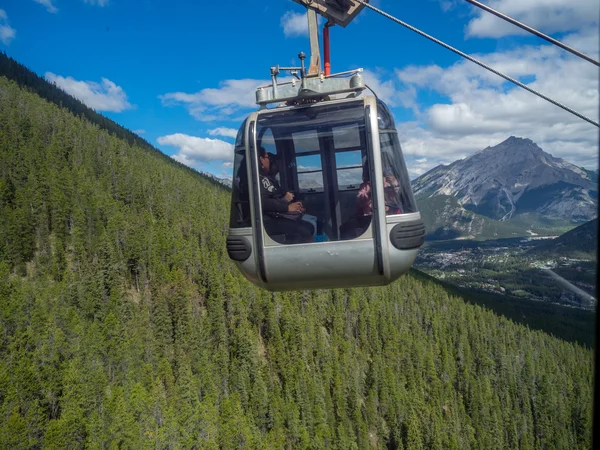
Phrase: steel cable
(533, 31)
(479, 63)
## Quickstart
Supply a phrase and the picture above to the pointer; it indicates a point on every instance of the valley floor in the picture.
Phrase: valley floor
(505, 267)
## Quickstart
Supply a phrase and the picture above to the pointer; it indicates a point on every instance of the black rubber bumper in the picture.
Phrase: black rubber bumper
(408, 235)
(238, 248)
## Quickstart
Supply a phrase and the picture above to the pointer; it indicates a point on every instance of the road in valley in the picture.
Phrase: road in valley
(572, 287)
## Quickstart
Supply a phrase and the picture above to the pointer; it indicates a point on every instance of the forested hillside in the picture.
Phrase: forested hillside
(32, 82)
(580, 242)
(124, 325)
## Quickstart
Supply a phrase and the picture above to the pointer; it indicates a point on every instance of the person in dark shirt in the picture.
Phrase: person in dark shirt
(281, 215)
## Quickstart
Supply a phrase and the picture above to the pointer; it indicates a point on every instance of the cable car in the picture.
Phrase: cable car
(321, 196)
(335, 154)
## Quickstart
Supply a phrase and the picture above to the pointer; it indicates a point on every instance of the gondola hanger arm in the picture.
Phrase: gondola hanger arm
(339, 12)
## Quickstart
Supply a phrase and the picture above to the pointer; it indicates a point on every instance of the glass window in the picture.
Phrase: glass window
(311, 182)
(240, 137)
(321, 149)
(306, 141)
(267, 141)
(349, 178)
(349, 169)
(310, 173)
(396, 184)
(347, 136)
(348, 159)
(240, 206)
(385, 120)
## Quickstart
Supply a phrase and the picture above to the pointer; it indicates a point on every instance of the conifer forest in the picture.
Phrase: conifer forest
(124, 325)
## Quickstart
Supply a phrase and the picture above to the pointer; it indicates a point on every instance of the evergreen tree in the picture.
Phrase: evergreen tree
(123, 324)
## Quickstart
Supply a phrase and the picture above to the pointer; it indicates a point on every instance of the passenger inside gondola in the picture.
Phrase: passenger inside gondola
(282, 215)
(391, 188)
(358, 224)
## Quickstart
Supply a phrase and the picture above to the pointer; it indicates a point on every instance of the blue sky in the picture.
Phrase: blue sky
(182, 74)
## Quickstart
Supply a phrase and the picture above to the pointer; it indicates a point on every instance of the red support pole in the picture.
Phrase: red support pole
(326, 55)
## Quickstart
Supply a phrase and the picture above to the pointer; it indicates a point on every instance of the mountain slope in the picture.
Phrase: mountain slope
(512, 178)
(580, 242)
(124, 325)
(445, 219)
(30, 81)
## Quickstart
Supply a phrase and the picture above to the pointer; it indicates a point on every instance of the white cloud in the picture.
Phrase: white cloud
(417, 167)
(447, 5)
(221, 131)
(385, 90)
(212, 104)
(479, 109)
(294, 24)
(193, 150)
(586, 41)
(97, 2)
(549, 16)
(48, 4)
(104, 96)
(7, 33)
(139, 131)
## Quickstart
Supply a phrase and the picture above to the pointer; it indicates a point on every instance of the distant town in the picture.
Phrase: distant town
(506, 267)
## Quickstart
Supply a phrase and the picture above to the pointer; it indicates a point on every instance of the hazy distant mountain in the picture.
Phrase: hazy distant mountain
(224, 181)
(515, 177)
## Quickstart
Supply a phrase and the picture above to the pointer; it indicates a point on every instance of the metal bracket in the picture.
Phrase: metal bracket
(340, 12)
(311, 88)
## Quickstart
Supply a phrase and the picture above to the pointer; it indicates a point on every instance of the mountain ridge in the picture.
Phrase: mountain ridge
(513, 178)
(581, 241)
(27, 79)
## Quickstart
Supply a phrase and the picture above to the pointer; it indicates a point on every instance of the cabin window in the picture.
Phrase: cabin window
(306, 141)
(240, 203)
(310, 173)
(321, 157)
(346, 137)
(349, 169)
(396, 184)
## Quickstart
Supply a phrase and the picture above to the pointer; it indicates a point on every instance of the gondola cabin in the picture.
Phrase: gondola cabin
(321, 196)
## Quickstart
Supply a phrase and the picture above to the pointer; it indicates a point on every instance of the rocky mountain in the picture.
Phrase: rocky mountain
(512, 180)
(592, 174)
(445, 219)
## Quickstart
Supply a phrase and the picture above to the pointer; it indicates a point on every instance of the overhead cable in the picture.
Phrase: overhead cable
(479, 63)
(533, 31)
